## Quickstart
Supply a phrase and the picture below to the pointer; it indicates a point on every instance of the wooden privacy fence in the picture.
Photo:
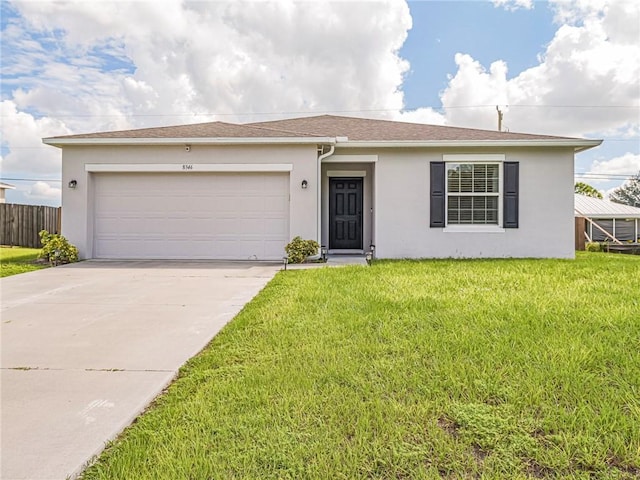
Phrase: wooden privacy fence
(20, 224)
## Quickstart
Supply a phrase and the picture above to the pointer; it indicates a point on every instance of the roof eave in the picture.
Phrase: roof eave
(63, 142)
(578, 145)
(604, 215)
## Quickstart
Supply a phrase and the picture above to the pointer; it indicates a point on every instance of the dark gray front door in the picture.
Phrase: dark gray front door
(345, 213)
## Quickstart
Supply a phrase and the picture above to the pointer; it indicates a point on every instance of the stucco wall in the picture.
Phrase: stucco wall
(545, 206)
(77, 221)
(396, 188)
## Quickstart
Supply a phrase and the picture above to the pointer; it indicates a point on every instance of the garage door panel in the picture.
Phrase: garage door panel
(217, 216)
(115, 202)
(227, 226)
(273, 249)
(278, 204)
(233, 248)
(106, 225)
(273, 226)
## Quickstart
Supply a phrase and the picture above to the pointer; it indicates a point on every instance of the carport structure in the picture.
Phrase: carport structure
(604, 221)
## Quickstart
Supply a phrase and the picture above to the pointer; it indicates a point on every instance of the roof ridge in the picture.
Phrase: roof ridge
(311, 134)
(447, 127)
(253, 125)
(190, 125)
(145, 128)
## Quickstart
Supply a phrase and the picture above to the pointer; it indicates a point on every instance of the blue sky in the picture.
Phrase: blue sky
(559, 67)
(480, 29)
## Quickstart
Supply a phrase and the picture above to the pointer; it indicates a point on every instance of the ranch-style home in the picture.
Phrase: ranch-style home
(243, 191)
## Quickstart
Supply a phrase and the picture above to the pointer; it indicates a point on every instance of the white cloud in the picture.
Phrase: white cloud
(605, 172)
(627, 164)
(21, 134)
(220, 57)
(593, 60)
(421, 115)
(513, 4)
(43, 191)
(90, 66)
(474, 86)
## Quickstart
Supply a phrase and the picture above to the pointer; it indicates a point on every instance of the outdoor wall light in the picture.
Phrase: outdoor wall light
(305, 184)
(73, 183)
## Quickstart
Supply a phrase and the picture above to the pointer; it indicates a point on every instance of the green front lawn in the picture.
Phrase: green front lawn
(14, 260)
(407, 370)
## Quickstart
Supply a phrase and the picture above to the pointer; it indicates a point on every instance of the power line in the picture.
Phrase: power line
(604, 176)
(31, 180)
(297, 112)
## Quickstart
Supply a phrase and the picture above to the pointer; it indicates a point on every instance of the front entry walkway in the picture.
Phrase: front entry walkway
(332, 261)
(86, 347)
(346, 260)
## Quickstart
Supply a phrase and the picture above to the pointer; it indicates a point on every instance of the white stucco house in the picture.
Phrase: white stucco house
(242, 191)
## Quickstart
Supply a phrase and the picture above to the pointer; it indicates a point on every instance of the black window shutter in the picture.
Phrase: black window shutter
(510, 195)
(437, 203)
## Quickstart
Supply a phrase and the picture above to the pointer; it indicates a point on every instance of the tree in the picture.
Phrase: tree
(628, 193)
(586, 189)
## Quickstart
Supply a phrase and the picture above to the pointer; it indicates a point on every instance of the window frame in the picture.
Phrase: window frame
(492, 159)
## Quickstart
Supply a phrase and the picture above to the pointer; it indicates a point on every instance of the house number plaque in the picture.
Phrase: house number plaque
(187, 166)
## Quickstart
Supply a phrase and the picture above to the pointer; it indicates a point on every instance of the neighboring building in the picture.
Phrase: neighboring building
(242, 191)
(3, 188)
(607, 221)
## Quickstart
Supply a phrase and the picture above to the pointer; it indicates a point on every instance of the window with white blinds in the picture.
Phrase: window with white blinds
(473, 193)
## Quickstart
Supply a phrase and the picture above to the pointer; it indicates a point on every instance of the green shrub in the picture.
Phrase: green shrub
(593, 247)
(57, 249)
(298, 249)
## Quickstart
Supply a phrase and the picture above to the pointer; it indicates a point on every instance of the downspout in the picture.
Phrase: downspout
(321, 157)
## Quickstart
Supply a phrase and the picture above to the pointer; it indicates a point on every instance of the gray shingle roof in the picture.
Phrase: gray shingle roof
(366, 129)
(196, 130)
(356, 129)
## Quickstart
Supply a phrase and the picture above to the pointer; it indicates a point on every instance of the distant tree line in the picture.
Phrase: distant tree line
(586, 189)
(627, 194)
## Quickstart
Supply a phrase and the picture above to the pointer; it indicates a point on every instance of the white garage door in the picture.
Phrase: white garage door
(191, 216)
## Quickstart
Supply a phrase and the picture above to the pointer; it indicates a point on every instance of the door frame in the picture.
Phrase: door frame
(360, 180)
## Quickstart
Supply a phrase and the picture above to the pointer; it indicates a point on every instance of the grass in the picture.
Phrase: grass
(409, 370)
(17, 260)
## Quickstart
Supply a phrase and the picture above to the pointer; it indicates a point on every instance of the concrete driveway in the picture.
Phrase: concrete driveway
(86, 347)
